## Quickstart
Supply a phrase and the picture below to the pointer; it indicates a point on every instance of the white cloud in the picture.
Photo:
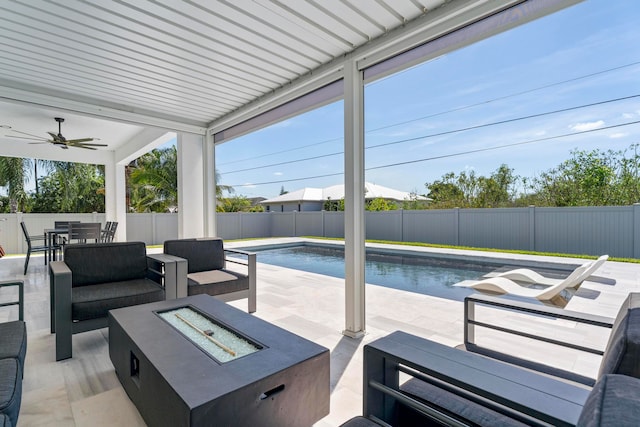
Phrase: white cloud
(618, 135)
(249, 185)
(278, 173)
(628, 115)
(581, 127)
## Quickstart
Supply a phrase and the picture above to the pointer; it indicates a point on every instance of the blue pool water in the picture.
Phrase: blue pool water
(429, 276)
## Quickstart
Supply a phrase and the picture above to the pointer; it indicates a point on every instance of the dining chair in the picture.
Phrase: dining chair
(85, 232)
(31, 248)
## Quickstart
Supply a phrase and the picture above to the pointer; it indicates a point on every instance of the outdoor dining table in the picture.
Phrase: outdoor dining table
(51, 236)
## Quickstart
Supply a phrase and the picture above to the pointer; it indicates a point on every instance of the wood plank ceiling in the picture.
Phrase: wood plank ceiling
(190, 61)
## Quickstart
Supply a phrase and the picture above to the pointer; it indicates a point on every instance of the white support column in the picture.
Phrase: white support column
(191, 186)
(210, 201)
(354, 230)
(120, 184)
(115, 197)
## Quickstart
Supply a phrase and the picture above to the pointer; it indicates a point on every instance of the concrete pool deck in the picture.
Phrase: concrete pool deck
(84, 391)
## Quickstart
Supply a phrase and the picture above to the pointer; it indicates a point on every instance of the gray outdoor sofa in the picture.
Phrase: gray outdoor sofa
(96, 278)
(13, 350)
(449, 386)
(207, 273)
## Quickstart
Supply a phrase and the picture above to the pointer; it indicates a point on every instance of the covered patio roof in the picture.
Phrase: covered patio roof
(129, 72)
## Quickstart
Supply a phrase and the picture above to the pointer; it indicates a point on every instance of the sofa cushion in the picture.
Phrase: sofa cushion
(622, 353)
(201, 254)
(13, 340)
(106, 262)
(452, 404)
(95, 301)
(613, 402)
(216, 282)
(10, 388)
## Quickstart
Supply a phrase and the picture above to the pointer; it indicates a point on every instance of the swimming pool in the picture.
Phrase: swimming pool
(420, 274)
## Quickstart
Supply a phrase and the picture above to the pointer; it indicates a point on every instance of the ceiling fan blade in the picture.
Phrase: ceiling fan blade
(43, 142)
(84, 146)
(75, 141)
(56, 138)
(24, 133)
(74, 144)
(34, 138)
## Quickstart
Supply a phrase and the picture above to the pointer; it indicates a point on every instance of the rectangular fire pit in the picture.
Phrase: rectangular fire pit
(197, 361)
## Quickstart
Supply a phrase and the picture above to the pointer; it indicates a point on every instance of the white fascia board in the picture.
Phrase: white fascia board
(316, 79)
(27, 97)
(51, 152)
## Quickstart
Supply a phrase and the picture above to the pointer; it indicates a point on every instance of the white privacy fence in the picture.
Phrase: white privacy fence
(611, 230)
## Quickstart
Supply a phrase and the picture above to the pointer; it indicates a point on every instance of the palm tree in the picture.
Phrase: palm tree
(154, 181)
(13, 173)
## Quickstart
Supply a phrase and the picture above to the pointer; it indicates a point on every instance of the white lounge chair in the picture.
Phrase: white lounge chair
(502, 285)
(529, 276)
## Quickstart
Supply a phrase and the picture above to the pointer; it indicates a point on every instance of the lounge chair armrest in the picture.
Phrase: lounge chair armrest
(250, 263)
(471, 322)
(527, 396)
(60, 280)
(171, 272)
(20, 301)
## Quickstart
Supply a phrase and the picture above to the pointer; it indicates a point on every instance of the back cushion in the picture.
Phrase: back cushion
(201, 254)
(106, 262)
(613, 402)
(622, 354)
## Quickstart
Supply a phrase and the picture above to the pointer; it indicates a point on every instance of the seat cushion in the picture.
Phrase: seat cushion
(10, 388)
(91, 264)
(13, 340)
(452, 404)
(613, 402)
(95, 301)
(201, 254)
(622, 353)
(216, 282)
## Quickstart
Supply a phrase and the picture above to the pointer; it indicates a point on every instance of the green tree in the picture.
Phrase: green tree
(14, 171)
(233, 204)
(333, 205)
(71, 187)
(153, 181)
(380, 204)
(590, 178)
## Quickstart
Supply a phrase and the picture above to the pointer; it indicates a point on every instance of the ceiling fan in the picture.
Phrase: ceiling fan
(58, 139)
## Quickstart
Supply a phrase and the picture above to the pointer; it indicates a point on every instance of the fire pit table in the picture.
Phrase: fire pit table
(197, 361)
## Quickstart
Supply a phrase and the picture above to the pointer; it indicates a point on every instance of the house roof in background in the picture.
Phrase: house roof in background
(336, 192)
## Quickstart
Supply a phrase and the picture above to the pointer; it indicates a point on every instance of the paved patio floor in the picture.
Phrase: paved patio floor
(84, 390)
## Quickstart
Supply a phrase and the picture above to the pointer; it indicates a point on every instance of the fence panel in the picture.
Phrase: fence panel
(432, 226)
(495, 228)
(586, 230)
(283, 224)
(309, 224)
(385, 225)
(334, 225)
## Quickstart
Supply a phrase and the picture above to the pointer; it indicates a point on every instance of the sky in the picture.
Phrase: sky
(553, 68)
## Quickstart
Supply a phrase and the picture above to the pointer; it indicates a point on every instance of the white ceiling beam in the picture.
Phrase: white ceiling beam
(45, 100)
(142, 143)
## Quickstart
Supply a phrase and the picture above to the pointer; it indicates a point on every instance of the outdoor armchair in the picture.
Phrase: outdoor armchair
(207, 272)
(621, 355)
(451, 387)
(96, 278)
